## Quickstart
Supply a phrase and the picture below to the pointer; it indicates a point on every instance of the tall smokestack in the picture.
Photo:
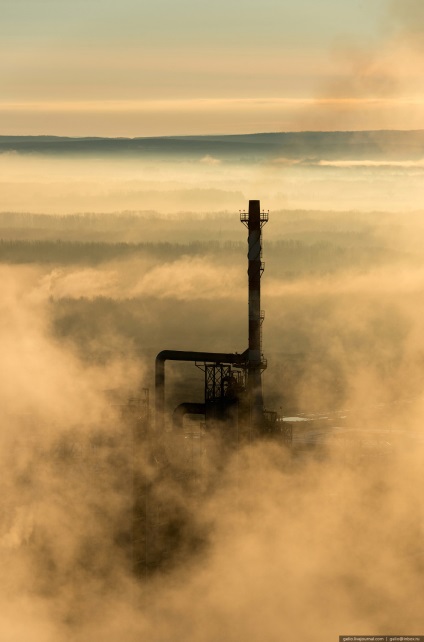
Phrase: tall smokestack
(254, 221)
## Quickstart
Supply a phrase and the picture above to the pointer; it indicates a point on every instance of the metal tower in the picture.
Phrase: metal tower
(254, 220)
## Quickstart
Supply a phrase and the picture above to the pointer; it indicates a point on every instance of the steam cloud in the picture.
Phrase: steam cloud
(261, 544)
(269, 546)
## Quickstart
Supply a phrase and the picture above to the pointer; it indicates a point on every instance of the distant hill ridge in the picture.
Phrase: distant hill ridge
(354, 145)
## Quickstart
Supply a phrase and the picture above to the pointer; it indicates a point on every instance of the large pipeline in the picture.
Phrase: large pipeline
(182, 355)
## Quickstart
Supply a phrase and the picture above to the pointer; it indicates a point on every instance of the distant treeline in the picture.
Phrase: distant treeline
(247, 147)
(340, 228)
(288, 258)
(80, 220)
(68, 252)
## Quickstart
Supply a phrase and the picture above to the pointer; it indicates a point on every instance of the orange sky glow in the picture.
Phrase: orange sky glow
(144, 69)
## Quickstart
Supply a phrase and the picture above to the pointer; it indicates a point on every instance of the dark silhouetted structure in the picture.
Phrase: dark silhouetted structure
(254, 219)
(233, 396)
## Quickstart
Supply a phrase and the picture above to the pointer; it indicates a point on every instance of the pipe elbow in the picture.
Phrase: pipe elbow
(186, 409)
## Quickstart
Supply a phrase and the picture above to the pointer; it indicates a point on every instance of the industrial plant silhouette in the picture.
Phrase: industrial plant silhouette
(233, 396)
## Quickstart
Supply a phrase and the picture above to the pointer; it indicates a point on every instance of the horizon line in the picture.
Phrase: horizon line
(223, 135)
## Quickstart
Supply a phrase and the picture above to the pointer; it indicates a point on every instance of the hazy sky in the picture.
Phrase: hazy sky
(144, 67)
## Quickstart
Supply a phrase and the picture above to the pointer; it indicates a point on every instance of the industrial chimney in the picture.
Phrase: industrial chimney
(254, 220)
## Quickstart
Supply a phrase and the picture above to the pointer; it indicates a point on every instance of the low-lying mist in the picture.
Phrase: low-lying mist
(262, 542)
(206, 182)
